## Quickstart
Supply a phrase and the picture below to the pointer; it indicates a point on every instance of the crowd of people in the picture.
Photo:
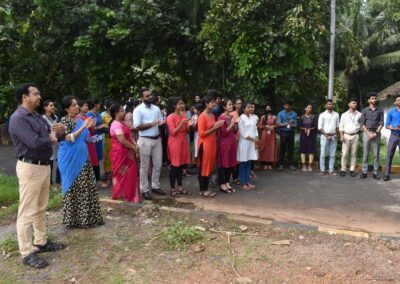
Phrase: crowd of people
(132, 141)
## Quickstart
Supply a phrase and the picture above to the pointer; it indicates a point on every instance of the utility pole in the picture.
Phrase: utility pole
(332, 49)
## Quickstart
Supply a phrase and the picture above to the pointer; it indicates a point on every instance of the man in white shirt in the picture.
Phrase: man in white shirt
(349, 127)
(146, 119)
(328, 124)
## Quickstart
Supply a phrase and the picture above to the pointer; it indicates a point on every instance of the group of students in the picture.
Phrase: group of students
(128, 140)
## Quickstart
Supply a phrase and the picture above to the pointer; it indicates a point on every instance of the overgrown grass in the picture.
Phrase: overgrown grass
(8, 190)
(9, 244)
(180, 235)
(9, 197)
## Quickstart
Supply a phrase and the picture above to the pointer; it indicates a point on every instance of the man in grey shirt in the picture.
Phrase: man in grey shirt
(372, 123)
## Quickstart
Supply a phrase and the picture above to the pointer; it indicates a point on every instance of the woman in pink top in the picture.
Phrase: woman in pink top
(178, 146)
(123, 158)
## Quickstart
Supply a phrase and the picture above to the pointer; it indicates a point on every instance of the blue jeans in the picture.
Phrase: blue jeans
(327, 146)
(394, 142)
(244, 172)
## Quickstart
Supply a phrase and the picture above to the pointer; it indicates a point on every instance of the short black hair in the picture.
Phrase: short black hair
(23, 89)
(66, 102)
(208, 98)
(288, 102)
(329, 101)
(92, 102)
(81, 103)
(142, 90)
(213, 92)
(372, 94)
(396, 96)
(352, 100)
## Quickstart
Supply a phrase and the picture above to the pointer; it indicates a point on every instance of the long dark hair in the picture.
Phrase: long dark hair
(45, 104)
(172, 102)
(66, 102)
(114, 109)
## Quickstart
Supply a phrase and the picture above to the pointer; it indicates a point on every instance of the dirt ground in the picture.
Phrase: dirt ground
(128, 249)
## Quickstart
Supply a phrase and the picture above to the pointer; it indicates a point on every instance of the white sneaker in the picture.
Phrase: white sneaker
(309, 169)
(304, 168)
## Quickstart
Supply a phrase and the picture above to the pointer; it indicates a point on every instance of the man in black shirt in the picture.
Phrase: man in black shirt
(32, 140)
(372, 123)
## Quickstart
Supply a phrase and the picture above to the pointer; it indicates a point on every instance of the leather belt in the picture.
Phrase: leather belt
(150, 137)
(351, 134)
(35, 162)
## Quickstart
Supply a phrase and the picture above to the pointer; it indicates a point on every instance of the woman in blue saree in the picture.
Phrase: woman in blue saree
(81, 207)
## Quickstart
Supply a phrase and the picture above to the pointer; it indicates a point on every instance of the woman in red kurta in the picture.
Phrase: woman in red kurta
(207, 145)
(227, 147)
(178, 146)
(123, 158)
(268, 153)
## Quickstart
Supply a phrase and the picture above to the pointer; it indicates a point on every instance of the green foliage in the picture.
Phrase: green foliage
(8, 190)
(55, 200)
(9, 244)
(276, 49)
(180, 235)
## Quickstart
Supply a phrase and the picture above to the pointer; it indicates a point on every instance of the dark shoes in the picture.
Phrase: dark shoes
(158, 191)
(147, 196)
(293, 168)
(342, 173)
(376, 176)
(353, 174)
(363, 175)
(49, 246)
(34, 261)
(386, 178)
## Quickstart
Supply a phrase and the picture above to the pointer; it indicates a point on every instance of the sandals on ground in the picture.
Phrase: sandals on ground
(237, 182)
(207, 195)
(231, 189)
(176, 193)
(226, 190)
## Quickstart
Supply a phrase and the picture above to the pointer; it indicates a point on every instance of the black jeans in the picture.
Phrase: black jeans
(224, 175)
(175, 175)
(286, 145)
(96, 170)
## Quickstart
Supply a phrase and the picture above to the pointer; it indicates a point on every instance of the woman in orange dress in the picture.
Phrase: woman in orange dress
(178, 149)
(207, 145)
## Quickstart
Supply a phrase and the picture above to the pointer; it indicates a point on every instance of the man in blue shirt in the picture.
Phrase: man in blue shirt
(393, 124)
(146, 119)
(287, 123)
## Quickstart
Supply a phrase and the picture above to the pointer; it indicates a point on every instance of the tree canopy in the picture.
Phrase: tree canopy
(261, 50)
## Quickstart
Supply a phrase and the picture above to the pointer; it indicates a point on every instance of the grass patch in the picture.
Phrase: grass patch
(10, 244)
(180, 235)
(8, 190)
(55, 200)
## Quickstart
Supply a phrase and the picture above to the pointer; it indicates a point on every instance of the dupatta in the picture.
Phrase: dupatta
(72, 156)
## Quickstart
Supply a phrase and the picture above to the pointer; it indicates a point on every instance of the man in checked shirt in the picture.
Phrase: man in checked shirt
(32, 140)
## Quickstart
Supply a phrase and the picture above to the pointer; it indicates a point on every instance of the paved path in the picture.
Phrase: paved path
(306, 198)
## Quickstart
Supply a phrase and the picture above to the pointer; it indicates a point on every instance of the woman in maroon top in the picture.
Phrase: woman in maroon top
(227, 147)
(268, 151)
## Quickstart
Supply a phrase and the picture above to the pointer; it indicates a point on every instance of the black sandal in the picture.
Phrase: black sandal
(49, 246)
(34, 261)
(184, 192)
(231, 189)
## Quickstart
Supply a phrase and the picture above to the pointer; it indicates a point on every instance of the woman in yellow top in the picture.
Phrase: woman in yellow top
(106, 119)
